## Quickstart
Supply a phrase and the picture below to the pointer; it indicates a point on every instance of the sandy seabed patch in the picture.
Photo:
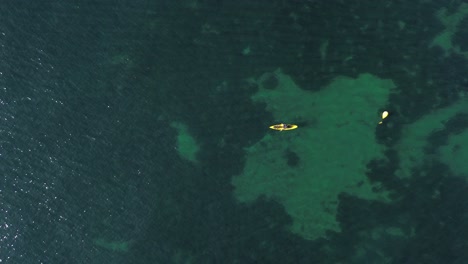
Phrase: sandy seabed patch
(333, 149)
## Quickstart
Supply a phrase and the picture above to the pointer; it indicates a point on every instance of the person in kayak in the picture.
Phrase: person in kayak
(281, 127)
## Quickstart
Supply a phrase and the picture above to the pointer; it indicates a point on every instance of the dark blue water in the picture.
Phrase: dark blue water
(79, 137)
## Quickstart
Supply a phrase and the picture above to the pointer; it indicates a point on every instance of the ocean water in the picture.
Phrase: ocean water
(80, 140)
(92, 94)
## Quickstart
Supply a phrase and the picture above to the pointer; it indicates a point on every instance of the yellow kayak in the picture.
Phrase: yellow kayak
(281, 127)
